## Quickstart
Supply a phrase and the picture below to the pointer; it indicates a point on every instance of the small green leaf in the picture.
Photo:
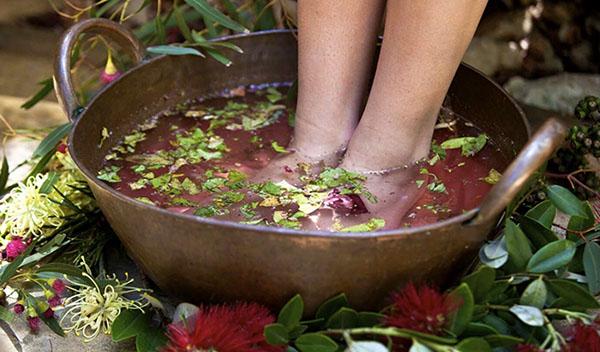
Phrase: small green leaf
(291, 313)
(578, 223)
(461, 318)
(215, 54)
(494, 254)
(315, 342)
(173, 50)
(367, 319)
(150, 340)
(330, 306)
(276, 334)
(344, 318)
(129, 323)
(517, 245)
(566, 201)
(573, 293)
(279, 149)
(211, 14)
(538, 233)
(479, 329)
(543, 213)
(531, 316)
(500, 341)
(552, 256)
(535, 294)
(474, 344)
(591, 265)
(61, 268)
(480, 282)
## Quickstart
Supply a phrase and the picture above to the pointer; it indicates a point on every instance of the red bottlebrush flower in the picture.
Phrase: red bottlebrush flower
(62, 148)
(583, 338)
(236, 328)
(15, 247)
(528, 348)
(34, 324)
(18, 308)
(110, 72)
(54, 301)
(58, 286)
(422, 309)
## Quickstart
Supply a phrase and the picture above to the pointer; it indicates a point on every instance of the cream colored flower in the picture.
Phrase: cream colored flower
(93, 309)
(25, 211)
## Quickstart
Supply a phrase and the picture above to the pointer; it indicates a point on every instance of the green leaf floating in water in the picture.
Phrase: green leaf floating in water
(373, 224)
(469, 145)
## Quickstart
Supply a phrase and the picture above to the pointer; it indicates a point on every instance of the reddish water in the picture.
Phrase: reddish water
(250, 150)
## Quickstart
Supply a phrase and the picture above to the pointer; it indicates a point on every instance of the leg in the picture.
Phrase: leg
(424, 42)
(336, 47)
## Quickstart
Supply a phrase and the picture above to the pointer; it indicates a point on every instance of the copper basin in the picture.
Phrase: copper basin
(203, 259)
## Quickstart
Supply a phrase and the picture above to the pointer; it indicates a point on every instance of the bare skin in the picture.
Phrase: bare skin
(423, 44)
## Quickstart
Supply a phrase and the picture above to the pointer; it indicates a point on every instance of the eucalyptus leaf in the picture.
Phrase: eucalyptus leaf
(173, 50)
(531, 316)
(494, 254)
(366, 346)
(591, 264)
(566, 201)
(535, 294)
(291, 313)
(419, 347)
(552, 256)
(315, 342)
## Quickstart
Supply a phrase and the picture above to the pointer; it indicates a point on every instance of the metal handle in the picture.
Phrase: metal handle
(63, 82)
(535, 153)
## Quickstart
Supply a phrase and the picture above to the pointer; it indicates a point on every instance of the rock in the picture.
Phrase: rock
(492, 55)
(540, 58)
(558, 93)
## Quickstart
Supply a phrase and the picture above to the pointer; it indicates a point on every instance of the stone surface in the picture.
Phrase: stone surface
(557, 93)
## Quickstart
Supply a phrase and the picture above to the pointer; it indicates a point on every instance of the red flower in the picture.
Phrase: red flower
(54, 301)
(48, 313)
(62, 148)
(15, 247)
(528, 348)
(583, 338)
(422, 309)
(110, 72)
(18, 308)
(34, 323)
(58, 286)
(236, 328)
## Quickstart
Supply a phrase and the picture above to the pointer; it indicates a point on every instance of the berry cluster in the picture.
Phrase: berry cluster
(583, 139)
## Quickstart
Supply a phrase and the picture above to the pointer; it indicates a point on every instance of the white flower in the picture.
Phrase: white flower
(93, 309)
(26, 211)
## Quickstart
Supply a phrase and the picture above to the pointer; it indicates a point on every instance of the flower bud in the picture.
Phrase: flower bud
(110, 72)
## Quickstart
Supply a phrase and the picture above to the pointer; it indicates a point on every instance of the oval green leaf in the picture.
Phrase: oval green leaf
(552, 256)
(291, 313)
(129, 323)
(461, 318)
(531, 316)
(535, 294)
(474, 344)
(276, 334)
(573, 293)
(591, 265)
(315, 342)
(519, 250)
(566, 201)
(345, 318)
